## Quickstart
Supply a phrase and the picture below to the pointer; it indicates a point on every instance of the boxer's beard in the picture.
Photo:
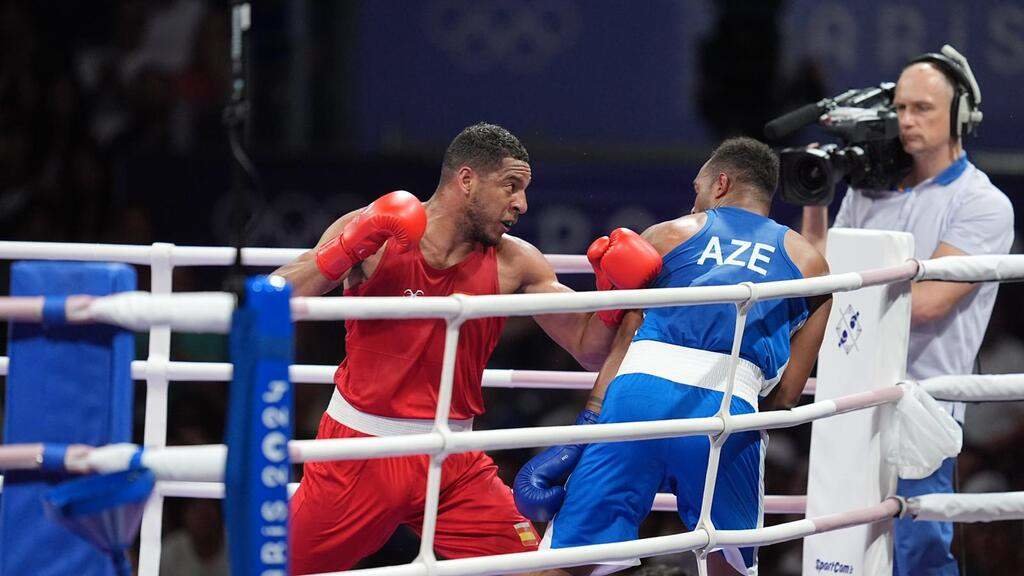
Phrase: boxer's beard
(476, 224)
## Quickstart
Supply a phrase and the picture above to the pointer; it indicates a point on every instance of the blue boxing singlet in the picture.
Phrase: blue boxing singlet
(735, 245)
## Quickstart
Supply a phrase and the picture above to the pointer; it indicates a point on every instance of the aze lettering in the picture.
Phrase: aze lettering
(742, 255)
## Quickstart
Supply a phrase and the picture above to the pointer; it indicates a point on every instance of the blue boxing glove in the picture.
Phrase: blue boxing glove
(539, 485)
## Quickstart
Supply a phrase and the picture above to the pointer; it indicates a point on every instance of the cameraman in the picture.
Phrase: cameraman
(952, 209)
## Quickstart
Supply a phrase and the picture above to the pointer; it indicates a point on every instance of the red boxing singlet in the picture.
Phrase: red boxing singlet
(393, 367)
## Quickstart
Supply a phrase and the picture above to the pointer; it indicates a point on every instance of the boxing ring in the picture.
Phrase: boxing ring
(198, 471)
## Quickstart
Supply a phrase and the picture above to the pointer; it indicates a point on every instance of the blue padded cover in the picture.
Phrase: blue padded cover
(66, 384)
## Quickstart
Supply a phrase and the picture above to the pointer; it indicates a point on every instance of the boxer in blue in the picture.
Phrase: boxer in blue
(672, 363)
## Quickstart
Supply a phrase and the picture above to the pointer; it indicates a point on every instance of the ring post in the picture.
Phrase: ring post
(161, 275)
(259, 428)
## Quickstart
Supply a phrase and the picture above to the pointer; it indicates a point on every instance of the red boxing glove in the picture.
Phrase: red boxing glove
(398, 216)
(622, 260)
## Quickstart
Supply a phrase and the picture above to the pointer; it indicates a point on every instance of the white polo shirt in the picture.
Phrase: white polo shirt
(962, 208)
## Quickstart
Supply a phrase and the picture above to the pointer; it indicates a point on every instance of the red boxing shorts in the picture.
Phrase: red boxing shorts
(346, 510)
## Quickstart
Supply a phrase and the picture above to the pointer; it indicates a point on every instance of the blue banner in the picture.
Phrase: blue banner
(575, 74)
(567, 71)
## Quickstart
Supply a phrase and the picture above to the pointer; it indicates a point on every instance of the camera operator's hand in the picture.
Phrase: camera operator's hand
(814, 225)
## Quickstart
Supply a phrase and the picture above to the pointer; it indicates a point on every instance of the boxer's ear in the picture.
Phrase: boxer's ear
(466, 178)
(722, 185)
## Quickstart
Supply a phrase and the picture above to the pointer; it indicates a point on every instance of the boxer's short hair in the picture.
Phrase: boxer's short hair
(482, 147)
(748, 161)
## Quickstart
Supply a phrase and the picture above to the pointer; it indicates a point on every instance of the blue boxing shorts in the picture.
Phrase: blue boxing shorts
(612, 489)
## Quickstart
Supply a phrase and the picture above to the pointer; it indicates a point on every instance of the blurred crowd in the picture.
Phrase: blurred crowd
(87, 87)
(84, 87)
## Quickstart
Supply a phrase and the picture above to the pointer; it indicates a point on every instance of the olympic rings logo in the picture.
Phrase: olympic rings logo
(481, 36)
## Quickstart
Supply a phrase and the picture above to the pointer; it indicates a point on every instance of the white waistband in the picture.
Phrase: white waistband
(692, 367)
(344, 413)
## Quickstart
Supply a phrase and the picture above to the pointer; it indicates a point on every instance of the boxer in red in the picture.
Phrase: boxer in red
(456, 242)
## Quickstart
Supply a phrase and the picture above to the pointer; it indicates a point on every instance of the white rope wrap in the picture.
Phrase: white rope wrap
(109, 458)
(186, 312)
(187, 463)
(973, 268)
(176, 463)
(967, 507)
(976, 387)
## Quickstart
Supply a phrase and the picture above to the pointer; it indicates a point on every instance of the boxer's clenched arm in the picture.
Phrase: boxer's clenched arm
(805, 343)
(303, 274)
(583, 335)
(397, 217)
(623, 261)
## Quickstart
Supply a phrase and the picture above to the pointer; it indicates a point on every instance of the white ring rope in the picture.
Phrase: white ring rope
(967, 507)
(940, 507)
(467, 307)
(972, 268)
(205, 463)
(201, 255)
(641, 548)
(211, 312)
(976, 387)
(324, 374)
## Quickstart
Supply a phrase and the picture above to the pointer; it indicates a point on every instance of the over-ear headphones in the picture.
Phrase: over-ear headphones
(964, 114)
